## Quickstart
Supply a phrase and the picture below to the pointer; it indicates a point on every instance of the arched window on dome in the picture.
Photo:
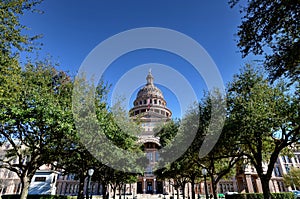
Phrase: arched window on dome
(155, 101)
(141, 102)
(145, 101)
(159, 102)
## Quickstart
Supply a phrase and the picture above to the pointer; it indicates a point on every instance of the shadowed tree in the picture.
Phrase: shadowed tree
(34, 120)
(292, 179)
(264, 118)
(272, 29)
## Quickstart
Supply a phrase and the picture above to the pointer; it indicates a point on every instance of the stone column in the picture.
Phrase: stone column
(271, 186)
(154, 185)
(259, 188)
(249, 183)
(144, 188)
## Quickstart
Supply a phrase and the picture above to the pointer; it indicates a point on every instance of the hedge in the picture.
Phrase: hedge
(15, 196)
(283, 195)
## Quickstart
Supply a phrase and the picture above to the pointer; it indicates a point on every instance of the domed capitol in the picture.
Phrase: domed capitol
(150, 108)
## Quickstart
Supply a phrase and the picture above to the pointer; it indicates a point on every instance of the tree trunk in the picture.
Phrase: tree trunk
(25, 186)
(183, 190)
(114, 188)
(80, 194)
(214, 190)
(120, 192)
(104, 191)
(214, 187)
(193, 187)
(265, 187)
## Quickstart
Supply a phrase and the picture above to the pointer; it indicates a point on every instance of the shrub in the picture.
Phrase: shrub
(283, 195)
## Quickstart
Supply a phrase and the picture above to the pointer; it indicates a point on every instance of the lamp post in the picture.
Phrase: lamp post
(90, 173)
(124, 190)
(204, 173)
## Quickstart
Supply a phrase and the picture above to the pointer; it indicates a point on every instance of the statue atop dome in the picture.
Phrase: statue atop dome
(149, 78)
(149, 90)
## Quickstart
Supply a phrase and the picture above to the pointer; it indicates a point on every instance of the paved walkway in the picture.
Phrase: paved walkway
(146, 196)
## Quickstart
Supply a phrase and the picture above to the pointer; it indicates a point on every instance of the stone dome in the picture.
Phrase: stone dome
(150, 99)
(149, 90)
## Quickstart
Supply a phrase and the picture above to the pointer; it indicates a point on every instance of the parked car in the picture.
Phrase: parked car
(296, 193)
(231, 193)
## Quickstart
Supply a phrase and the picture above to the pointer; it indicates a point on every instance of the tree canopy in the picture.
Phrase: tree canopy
(272, 28)
(264, 119)
(35, 120)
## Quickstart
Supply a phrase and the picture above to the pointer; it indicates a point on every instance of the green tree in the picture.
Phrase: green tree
(177, 172)
(33, 120)
(221, 160)
(167, 132)
(272, 28)
(264, 118)
(172, 135)
(13, 40)
(119, 179)
(96, 125)
(224, 154)
(292, 179)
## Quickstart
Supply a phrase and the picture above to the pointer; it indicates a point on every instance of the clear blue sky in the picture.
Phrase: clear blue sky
(72, 28)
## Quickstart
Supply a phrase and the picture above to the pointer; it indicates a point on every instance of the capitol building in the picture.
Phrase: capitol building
(150, 109)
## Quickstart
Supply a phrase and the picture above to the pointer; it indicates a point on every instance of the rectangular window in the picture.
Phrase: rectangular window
(297, 157)
(287, 159)
(150, 156)
(149, 170)
(156, 156)
(40, 179)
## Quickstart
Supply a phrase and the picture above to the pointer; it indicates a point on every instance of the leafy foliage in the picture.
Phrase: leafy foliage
(284, 195)
(292, 179)
(12, 35)
(167, 132)
(272, 28)
(263, 118)
(34, 120)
